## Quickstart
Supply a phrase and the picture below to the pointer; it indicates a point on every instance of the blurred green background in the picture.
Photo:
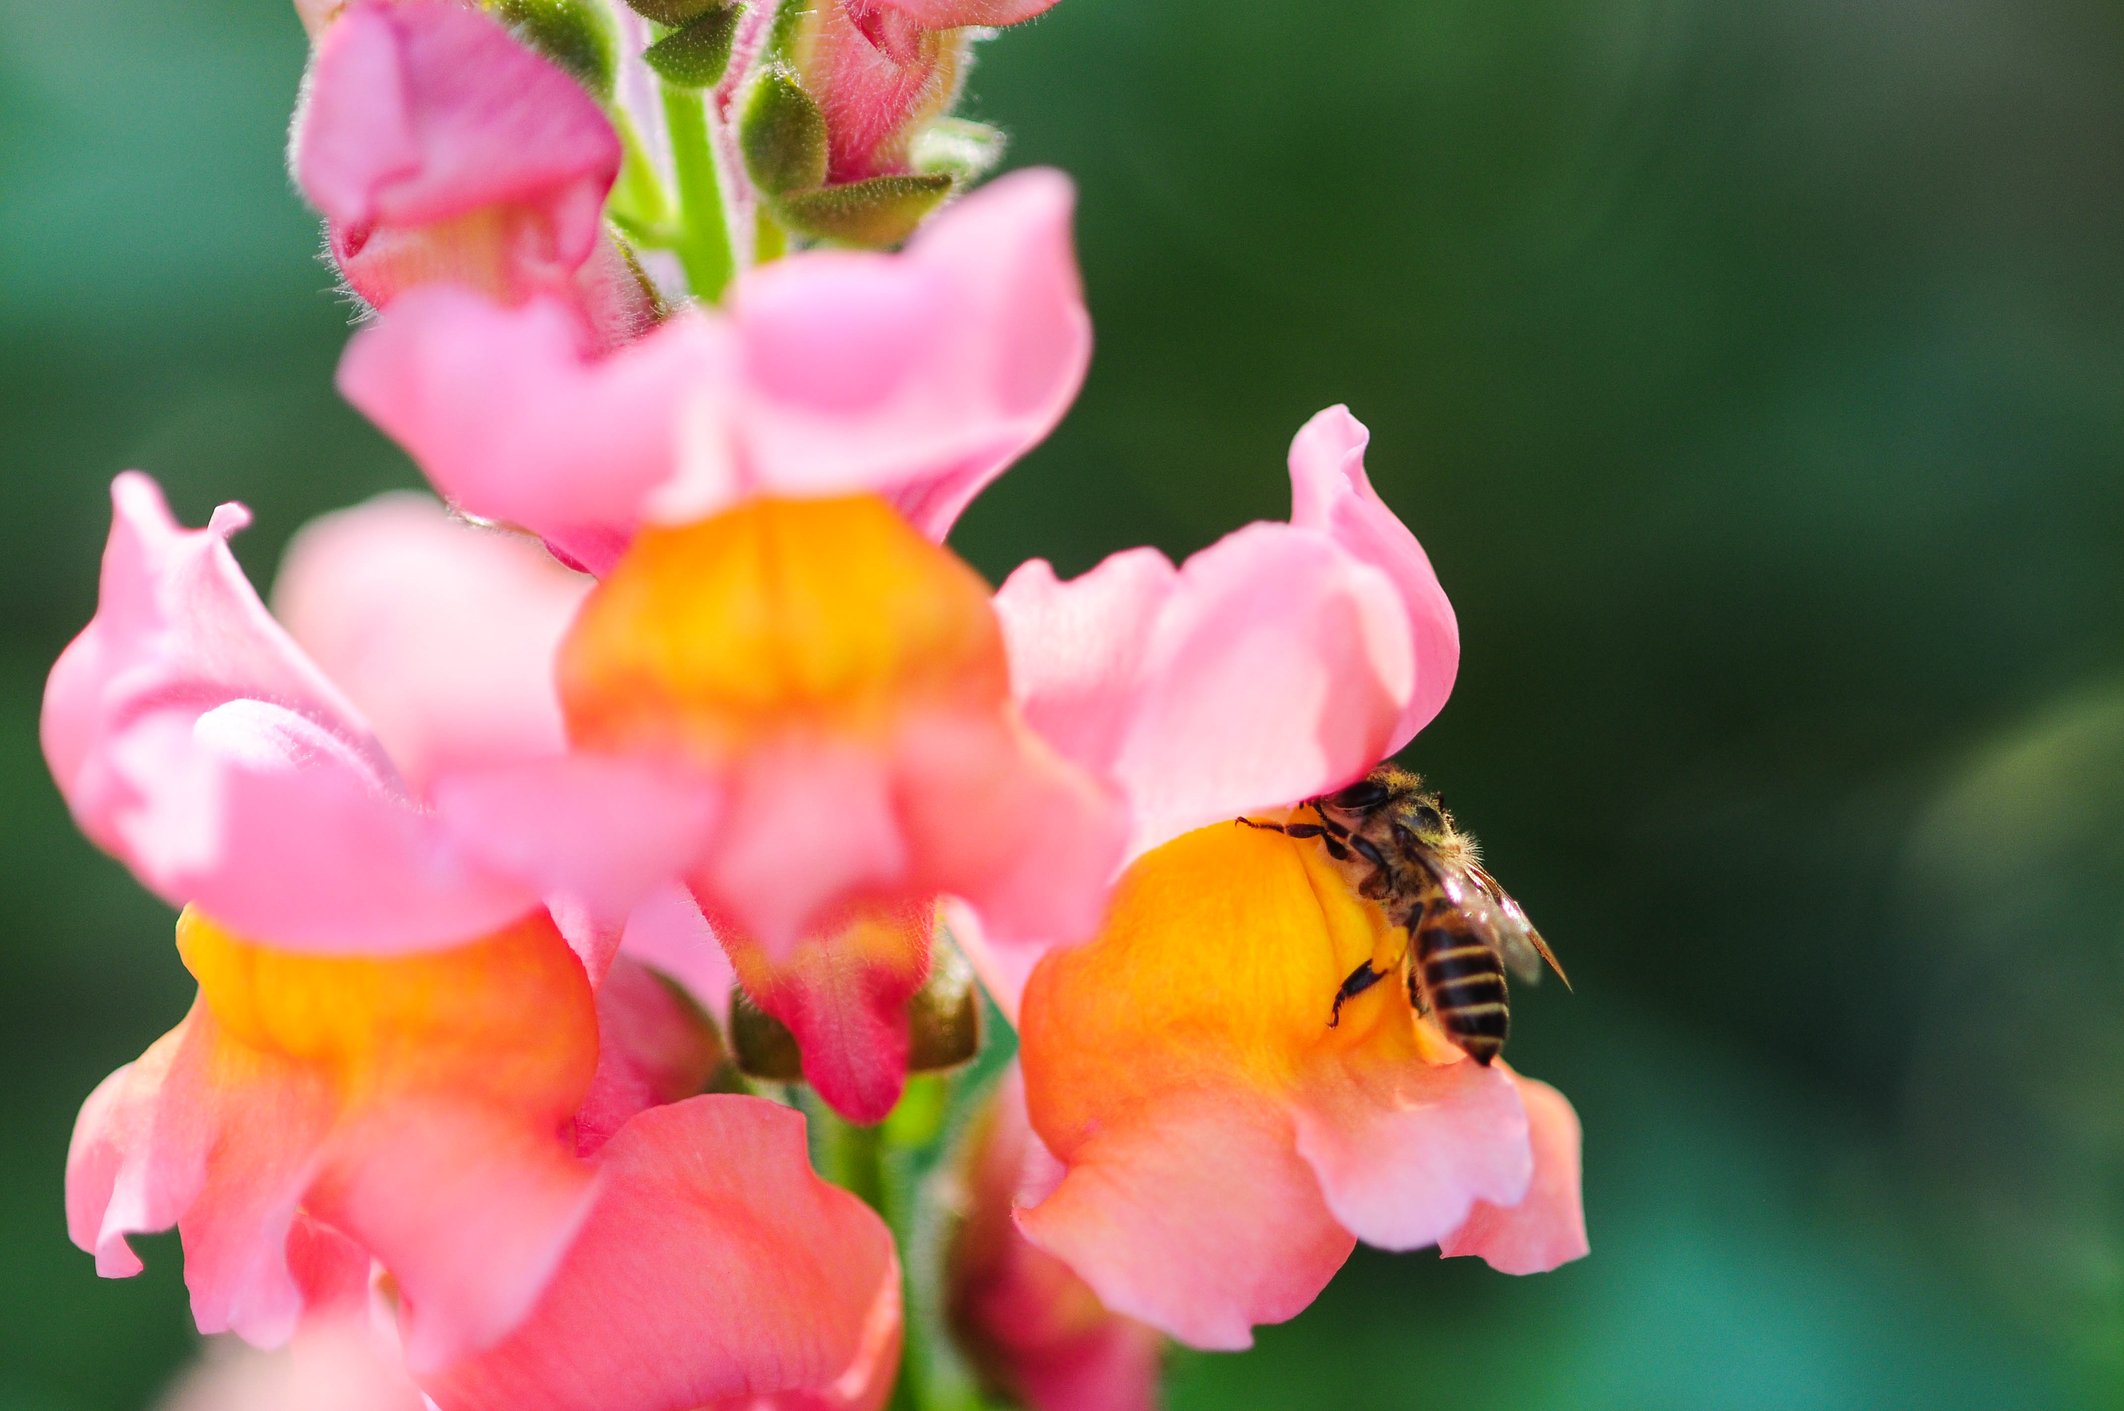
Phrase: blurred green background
(1754, 375)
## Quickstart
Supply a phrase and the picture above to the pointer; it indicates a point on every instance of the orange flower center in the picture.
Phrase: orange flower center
(828, 615)
(507, 1017)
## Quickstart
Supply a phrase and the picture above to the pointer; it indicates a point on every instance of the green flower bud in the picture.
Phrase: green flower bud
(674, 14)
(576, 34)
(782, 134)
(696, 56)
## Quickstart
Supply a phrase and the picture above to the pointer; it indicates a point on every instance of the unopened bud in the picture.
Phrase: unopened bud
(944, 1017)
(576, 34)
(696, 56)
(782, 134)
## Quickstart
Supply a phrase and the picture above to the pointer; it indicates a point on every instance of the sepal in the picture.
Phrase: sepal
(576, 34)
(881, 211)
(698, 55)
(674, 14)
(782, 134)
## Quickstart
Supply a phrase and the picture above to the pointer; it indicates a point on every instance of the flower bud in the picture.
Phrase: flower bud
(576, 34)
(697, 55)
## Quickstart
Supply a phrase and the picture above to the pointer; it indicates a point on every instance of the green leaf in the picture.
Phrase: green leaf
(576, 34)
(674, 14)
(782, 134)
(697, 55)
(881, 211)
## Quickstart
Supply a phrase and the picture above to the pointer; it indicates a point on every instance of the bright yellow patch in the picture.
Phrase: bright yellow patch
(508, 1017)
(1218, 962)
(833, 615)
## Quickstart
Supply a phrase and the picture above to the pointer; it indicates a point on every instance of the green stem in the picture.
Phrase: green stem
(856, 1159)
(703, 245)
(639, 203)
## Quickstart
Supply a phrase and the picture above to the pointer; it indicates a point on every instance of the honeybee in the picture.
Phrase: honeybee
(1398, 847)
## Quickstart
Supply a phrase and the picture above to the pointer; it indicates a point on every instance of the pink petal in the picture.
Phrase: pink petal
(1023, 1316)
(193, 740)
(1330, 492)
(843, 992)
(924, 374)
(667, 933)
(1271, 667)
(469, 1211)
(653, 1047)
(514, 422)
(1404, 1149)
(1197, 1218)
(602, 830)
(441, 633)
(919, 375)
(422, 111)
(878, 78)
(339, 1364)
(954, 14)
(715, 1271)
(1548, 1226)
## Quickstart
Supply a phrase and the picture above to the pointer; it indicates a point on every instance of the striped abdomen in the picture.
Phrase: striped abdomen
(1463, 980)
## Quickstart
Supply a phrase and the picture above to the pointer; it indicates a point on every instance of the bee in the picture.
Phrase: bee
(1398, 847)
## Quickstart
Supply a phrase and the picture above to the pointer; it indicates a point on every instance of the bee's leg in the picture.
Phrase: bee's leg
(1416, 1000)
(1333, 828)
(1361, 979)
(1301, 830)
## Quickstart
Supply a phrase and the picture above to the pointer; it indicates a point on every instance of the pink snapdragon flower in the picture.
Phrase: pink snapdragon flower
(1221, 1145)
(476, 1113)
(769, 632)
(439, 147)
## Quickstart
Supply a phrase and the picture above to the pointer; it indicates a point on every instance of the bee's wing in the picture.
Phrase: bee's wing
(1515, 937)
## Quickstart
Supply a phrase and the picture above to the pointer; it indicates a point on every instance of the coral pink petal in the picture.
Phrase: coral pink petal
(1548, 1226)
(1272, 668)
(1196, 1218)
(1404, 1149)
(603, 831)
(715, 1271)
(921, 375)
(653, 1046)
(469, 1211)
(192, 739)
(1000, 820)
(667, 933)
(421, 111)
(1078, 649)
(513, 421)
(1330, 492)
(442, 633)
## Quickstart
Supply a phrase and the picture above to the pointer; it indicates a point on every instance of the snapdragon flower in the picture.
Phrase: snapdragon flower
(396, 1059)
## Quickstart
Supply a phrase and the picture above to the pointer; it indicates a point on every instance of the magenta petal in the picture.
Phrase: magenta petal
(443, 634)
(1404, 1149)
(955, 14)
(422, 111)
(715, 1270)
(514, 421)
(1198, 1219)
(1547, 1227)
(193, 740)
(1331, 492)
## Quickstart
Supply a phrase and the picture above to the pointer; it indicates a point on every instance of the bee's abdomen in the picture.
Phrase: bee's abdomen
(1464, 981)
